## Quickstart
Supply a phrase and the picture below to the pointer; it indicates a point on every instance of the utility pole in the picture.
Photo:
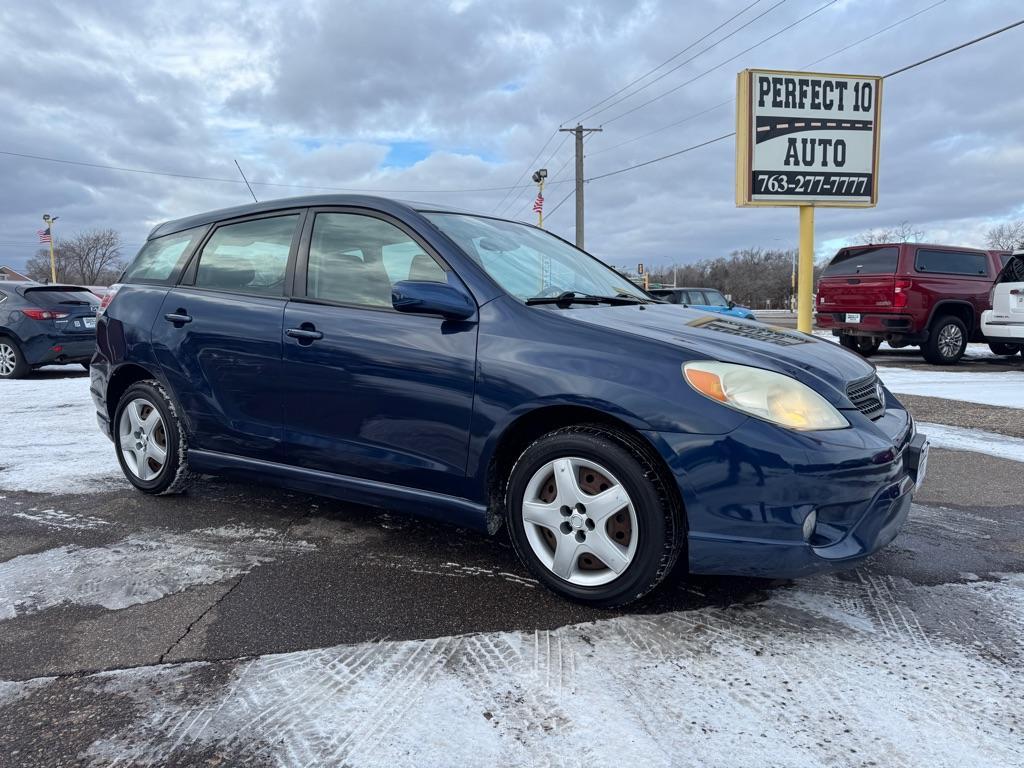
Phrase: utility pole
(579, 130)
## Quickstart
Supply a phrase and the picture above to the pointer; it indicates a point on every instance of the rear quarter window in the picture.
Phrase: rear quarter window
(863, 261)
(951, 262)
(161, 260)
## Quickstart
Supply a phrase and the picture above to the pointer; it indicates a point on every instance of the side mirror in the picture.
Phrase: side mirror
(732, 304)
(422, 297)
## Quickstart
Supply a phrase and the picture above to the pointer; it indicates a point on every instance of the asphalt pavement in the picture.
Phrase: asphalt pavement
(115, 581)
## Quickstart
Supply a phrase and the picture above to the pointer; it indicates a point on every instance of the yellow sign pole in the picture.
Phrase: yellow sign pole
(805, 279)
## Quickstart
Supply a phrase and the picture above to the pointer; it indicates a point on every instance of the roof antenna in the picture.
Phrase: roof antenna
(246, 181)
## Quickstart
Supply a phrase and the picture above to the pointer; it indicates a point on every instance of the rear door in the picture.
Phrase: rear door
(218, 335)
(371, 392)
(952, 274)
(859, 280)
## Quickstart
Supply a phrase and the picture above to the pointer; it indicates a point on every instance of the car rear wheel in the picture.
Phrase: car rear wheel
(12, 361)
(591, 517)
(150, 441)
(999, 348)
(946, 342)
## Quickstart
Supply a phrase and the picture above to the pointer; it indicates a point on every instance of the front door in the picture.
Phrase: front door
(218, 337)
(371, 392)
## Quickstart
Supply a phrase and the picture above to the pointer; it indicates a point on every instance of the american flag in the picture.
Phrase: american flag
(44, 235)
(538, 204)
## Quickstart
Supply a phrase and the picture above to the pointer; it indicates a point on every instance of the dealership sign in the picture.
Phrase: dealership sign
(804, 138)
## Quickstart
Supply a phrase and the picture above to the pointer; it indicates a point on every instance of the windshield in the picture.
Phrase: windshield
(528, 262)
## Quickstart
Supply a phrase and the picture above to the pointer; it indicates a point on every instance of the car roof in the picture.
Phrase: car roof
(687, 288)
(385, 204)
(860, 246)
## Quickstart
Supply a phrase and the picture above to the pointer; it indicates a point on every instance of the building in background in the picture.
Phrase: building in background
(8, 274)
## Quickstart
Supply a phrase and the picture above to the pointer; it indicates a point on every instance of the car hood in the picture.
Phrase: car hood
(822, 365)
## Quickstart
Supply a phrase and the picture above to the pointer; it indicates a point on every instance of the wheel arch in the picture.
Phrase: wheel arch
(960, 309)
(533, 424)
(122, 378)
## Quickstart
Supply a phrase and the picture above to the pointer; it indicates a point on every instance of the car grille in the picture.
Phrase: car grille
(867, 395)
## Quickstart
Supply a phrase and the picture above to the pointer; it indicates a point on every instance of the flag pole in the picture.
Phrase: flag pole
(48, 221)
(540, 213)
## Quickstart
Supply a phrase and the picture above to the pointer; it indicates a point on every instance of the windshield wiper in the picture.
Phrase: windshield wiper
(571, 297)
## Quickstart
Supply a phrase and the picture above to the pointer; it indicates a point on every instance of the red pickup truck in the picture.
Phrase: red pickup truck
(908, 294)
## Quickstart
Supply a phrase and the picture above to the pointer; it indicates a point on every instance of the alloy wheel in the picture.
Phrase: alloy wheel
(142, 436)
(580, 521)
(8, 359)
(950, 340)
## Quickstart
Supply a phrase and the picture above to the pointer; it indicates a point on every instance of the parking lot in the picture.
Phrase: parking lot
(240, 624)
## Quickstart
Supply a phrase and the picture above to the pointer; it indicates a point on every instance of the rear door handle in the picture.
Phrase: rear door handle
(304, 334)
(178, 317)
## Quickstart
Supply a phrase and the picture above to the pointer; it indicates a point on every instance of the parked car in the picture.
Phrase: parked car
(486, 372)
(44, 325)
(707, 299)
(1003, 325)
(907, 294)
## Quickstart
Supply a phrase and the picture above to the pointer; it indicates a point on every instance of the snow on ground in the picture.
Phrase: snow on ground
(867, 671)
(139, 569)
(49, 439)
(1005, 388)
(974, 440)
(974, 350)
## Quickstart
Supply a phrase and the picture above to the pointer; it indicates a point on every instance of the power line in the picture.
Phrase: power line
(527, 169)
(552, 212)
(587, 114)
(884, 77)
(954, 49)
(547, 162)
(663, 94)
(255, 183)
(805, 66)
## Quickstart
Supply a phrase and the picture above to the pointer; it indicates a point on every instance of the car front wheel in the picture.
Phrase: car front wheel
(591, 517)
(150, 440)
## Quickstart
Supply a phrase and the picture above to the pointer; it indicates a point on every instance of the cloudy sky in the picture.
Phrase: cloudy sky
(414, 98)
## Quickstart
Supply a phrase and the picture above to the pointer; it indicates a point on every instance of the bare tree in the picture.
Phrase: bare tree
(1008, 236)
(88, 258)
(901, 233)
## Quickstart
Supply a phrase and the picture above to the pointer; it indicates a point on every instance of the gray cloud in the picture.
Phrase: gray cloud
(316, 93)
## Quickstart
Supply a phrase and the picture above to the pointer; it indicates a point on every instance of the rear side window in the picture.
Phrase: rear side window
(60, 297)
(161, 259)
(951, 262)
(248, 257)
(866, 261)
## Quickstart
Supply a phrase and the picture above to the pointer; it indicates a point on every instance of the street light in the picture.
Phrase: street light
(538, 206)
(48, 221)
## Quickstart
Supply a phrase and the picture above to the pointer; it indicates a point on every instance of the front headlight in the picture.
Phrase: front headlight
(765, 394)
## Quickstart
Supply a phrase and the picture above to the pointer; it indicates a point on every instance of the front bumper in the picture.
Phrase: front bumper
(748, 493)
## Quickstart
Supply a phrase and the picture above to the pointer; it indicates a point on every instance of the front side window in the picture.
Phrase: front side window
(529, 263)
(162, 258)
(248, 257)
(716, 299)
(695, 297)
(355, 259)
(951, 262)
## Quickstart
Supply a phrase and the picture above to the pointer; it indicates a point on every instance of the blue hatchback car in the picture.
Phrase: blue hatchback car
(485, 372)
(45, 325)
(708, 299)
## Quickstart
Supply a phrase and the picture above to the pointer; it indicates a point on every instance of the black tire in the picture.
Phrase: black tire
(10, 351)
(174, 476)
(660, 521)
(1008, 350)
(865, 346)
(942, 347)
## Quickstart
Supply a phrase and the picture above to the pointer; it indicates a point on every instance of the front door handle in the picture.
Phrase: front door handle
(306, 334)
(177, 317)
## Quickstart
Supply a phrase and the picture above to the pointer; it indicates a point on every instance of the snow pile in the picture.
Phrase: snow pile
(1005, 388)
(50, 441)
(974, 440)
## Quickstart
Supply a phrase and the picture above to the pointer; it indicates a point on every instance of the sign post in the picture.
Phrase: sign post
(809, 140)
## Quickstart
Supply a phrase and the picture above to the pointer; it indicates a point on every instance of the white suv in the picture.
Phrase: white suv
(1003, 325)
